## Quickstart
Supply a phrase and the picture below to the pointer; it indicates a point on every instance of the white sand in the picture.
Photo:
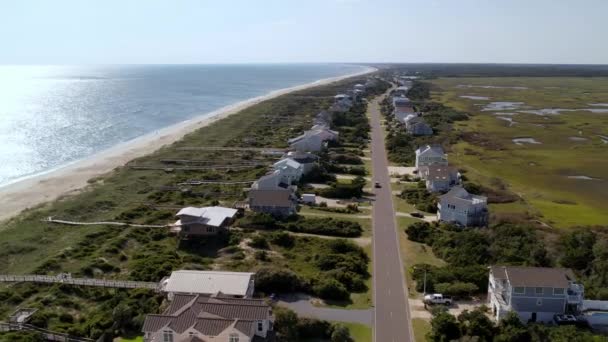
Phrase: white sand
(46, 187)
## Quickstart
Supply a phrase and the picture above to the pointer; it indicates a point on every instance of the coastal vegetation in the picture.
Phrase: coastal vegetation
(150, 190)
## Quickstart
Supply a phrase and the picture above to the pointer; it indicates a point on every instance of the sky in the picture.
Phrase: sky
(303, 31)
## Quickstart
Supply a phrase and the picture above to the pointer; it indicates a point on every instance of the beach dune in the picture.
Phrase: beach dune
(70, 179)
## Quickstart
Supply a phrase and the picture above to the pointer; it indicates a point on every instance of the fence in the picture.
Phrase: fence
(47, 334)
(63, 279)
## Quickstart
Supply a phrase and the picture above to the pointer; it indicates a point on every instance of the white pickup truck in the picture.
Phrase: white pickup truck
(437, 299)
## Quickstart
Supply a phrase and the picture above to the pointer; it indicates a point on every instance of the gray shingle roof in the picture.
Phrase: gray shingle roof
(270, 198)
(534, 276)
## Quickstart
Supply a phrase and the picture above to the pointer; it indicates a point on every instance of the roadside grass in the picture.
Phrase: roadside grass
(413, 253)
(359, 332)
(135, 339)
(537, 172)
(421, 328)
(402, 206)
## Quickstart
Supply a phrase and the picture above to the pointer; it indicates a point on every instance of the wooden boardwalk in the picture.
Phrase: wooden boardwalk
(106, 223)
(66, 279)
(218, 148)
(46, 334)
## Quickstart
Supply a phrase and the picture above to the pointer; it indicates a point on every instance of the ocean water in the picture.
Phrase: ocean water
(53, 115)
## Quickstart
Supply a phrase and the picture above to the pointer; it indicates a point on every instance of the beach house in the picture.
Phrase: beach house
(270, 181)
(231, 284)
(460, 207)
(203, 221)
(402, 107)
(198, 318)
(417, 126)
(290, 170)
(359, 86)
(313, 140)
(323, 118)
(439, 178)
(276, 202)
(306, 159)
(535, 294)
(430, 155)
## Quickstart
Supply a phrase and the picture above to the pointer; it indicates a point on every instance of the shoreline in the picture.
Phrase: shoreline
(70, 178)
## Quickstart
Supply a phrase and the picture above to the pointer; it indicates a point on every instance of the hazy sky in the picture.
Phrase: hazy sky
(224, 31)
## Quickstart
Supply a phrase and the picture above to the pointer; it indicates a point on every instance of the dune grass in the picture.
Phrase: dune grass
(421, 328)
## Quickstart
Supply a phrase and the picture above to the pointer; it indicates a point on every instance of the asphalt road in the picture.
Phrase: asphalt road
(391, 320)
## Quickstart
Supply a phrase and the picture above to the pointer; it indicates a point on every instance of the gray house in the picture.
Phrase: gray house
(277, 202)
(417, 126)
(439, 178)
(459, 206)
(536, 294)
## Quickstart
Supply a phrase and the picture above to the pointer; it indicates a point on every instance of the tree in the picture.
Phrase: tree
(270, 279)
(285, 324)
(444, 328)
(476, 324)
(511, 329)
(341, 334)
(329, 288)
(419, 231)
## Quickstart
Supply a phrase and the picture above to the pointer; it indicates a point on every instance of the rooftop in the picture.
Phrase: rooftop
(270, 198)
(534, 276)
(211, 216)
(208, 282)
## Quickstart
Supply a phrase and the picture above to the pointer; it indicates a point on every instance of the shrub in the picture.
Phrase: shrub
(341, 334)
(331, 289)
(275, 280)
(326, 226)
(312, 328)
(457, 289)
(282, 239)
(261, 255)
(259, 241)
(419, 231)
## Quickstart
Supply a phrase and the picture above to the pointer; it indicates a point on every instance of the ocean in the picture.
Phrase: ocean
(51, 116)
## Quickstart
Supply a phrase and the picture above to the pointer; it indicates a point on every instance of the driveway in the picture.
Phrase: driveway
(301, 304)
(418, 310)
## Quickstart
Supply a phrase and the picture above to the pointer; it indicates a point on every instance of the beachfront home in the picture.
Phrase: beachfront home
(401, 91)
(342, 97)
(402, 107)
(459, 206)
(313, 140)
(290, 170)
(340, 107)
(322, 118)
(535, 294)
(430, 155)
(439, 178)
(306, 159)
(197, 318)
(417, 126)
(203, 221)
(270, 181)
(231, 284)
(359, 86)
(277, 202)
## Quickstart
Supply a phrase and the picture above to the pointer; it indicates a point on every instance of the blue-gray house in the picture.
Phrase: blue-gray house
(536, 294)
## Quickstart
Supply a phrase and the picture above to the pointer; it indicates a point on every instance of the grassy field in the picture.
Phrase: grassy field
(570, 143)
(359, 332)
(413, 253)
(421, 328)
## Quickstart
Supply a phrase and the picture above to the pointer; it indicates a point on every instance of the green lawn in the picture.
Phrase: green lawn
(537, 172)
(421, 328)
(413, 253)
(359, 332)
(135, 339)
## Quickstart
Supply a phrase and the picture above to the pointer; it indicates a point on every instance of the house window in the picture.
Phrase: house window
(209, 229)
(558, 291)
(539, 301)
(260, 326)
(234, 338)
(167, 336)
(538, 290)
(519, 290)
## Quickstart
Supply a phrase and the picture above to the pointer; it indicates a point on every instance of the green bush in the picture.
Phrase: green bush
(326, 226)
(282, 239)
(259, 241)
(457, 289)
(331, 289)
(419, 232)
(275, 280)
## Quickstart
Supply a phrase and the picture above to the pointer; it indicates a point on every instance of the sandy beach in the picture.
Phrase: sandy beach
(69, 179)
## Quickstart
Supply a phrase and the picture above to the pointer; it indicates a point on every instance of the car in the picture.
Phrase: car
(377, 185)
(437, 299)
(417, 214)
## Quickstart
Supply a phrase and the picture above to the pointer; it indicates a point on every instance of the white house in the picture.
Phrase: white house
(232, 284)
(359, 86)
(203, 221)
(429, 155)
(313, 140)
(291, 171)
(197, 318)
(439, 177)
(459, 206)
(535, 294)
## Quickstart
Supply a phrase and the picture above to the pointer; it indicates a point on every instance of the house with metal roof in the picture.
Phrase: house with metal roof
(417, 126)
(536, 294)
(198, 318)
(430, 155)
(231, 284)
(313, 140)
(203, 221)
(306, 159)
(459, 206)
